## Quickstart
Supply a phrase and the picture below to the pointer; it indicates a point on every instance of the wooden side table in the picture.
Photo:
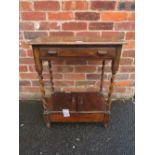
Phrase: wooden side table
(72, 106)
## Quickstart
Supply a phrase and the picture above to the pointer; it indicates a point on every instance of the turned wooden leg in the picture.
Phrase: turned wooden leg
(106, 120)
(110, 90)
(39, 69)
(114, 68)
(102, 76)
(47, 121)
(105, 125)
(48, 125)
(51, 76)
(43, 98)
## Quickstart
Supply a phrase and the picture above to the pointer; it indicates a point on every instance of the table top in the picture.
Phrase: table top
(72, 40)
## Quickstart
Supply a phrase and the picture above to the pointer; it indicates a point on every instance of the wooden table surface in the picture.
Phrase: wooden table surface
(72, 40)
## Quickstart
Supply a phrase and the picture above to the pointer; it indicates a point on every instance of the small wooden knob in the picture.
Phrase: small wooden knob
(102, 52)
(52, 52)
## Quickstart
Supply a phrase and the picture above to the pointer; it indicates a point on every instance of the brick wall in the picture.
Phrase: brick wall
(110, 18)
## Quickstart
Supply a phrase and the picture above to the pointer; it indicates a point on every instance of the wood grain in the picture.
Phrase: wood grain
(83, 107)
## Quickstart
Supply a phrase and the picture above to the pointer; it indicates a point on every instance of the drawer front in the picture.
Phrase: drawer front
(78, 52)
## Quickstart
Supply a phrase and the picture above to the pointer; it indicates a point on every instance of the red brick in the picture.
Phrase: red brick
(26, 26)
(74, 26)
(24, 45)
(46, 5)
(62, 68)
(113, 35)
(22, 68)
(33, 16)
(49, 26)
(46, 76)
(26, 61)
(122, 83)
(93, 76)
(81, 5)
(30, 53)
(30, 89)
(57, 76)
(75, 62)
(126, 61)
(75, 76)
(22, 53)
(84, 83)
(32, 68)
(25, 6)
(106, 83)
(28, 76)
(107, 63)
(33, 35)
(60, 16)
(101, 26)
(132, 26)
(75, 5)
(131, 16)
(88, 34)
(126, 5)
(103, 5)
(24, 83)
(87, 16)
(47, 83)
(21, 36)
(35, 83)
(63, 83)
(58, 62)
(85, 69)
(119, 89)
(114, 16)
(127, 69)
(132, 76)
(61, 34)
(94, 62)
(68, 5)
(130, 36)
(130, 45)
(123, 26)
(106, 69)
(122, 77)
(128, 53)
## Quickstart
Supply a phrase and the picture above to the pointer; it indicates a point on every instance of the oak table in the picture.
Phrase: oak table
(76, 106)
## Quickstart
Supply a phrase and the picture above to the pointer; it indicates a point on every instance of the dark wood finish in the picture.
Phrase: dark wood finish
(92, 102)
(102, 76)
(39, 69)
(51, 76)
(71, 40)
(82, 107)
(110, 90)
(78, 52)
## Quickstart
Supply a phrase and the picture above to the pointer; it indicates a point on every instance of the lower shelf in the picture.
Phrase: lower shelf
(81, 107)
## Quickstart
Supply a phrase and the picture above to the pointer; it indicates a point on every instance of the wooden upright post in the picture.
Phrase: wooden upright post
(114, 68)
(51, 76)
(39, 69)
(102, 76)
